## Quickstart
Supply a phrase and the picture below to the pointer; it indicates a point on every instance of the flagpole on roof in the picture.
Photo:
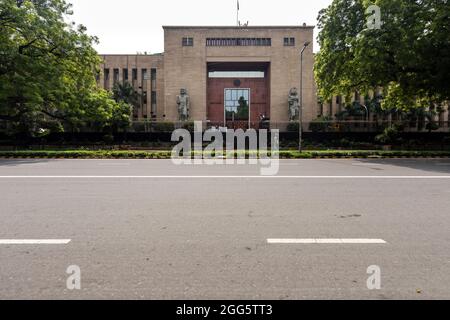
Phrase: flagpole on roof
(237, 14)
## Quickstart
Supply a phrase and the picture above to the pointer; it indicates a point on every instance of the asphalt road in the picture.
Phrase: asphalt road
(147, 229)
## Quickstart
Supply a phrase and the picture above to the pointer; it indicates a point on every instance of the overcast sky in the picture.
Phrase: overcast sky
(132, 26)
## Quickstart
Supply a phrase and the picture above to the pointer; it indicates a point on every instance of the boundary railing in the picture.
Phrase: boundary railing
(309, 126)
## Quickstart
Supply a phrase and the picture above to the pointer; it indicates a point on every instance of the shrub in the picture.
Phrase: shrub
(189, 126)
(163, 127)
(345, 143)
(320, 124)
(108, 138)
(292, 127)
(432, 126)
(389, 135)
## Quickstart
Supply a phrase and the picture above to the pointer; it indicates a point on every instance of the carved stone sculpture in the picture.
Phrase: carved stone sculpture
(183, 101)
(293, 104)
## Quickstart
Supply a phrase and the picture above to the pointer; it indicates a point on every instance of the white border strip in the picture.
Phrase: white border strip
(34, 241)
(228, 177)
(225, 177)
(326, 241)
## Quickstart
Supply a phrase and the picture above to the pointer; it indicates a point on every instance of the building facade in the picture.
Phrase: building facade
(234, 76)
(145, 73)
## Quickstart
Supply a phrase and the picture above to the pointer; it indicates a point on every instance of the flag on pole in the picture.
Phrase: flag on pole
(238, 4)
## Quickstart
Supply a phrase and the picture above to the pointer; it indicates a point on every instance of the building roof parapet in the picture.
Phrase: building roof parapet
(240, 27)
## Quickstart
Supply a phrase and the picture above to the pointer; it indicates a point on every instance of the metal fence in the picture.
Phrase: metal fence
(311, 126)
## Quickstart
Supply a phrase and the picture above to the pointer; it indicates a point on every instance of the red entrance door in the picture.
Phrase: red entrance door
(218, 102)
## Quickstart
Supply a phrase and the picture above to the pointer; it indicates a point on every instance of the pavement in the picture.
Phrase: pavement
(147, 229)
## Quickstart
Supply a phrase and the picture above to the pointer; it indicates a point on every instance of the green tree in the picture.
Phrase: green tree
(48, 68)
(409, 54)
(124, 92)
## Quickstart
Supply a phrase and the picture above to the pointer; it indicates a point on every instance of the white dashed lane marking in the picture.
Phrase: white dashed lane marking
(34, 241)
(326, 241)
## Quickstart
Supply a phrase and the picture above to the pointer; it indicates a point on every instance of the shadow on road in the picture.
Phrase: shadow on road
(19, 162)
(428, 165)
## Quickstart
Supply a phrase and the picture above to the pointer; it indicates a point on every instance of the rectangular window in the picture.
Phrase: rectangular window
(144, 74)
(339, 103)
(441, 118)
(135, 113)
(116, 76)
(134, 74)
(289, 42)
(144, 97)
(188, 42)
(106, 78)
(125, 74)
(237, 104)
(153, 79)
(238, 42)
(153, 102)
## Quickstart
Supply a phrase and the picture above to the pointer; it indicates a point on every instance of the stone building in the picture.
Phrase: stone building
(234, 76)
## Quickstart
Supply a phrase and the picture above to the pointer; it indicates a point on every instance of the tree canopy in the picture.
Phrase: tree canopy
(48, 69)
(408, 56)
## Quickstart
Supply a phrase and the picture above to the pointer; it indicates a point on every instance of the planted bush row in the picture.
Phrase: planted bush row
(105, 154)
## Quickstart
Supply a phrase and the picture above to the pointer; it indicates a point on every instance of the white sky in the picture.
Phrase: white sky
(132, 26)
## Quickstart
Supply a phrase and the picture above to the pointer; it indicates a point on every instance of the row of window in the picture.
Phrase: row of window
(187, 42)
(152, 97)
(233, 42)
(125, 74)
(134, 77)
(237, 42)
(289, 42)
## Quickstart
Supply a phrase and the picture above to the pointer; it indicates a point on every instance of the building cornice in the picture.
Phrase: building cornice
(131, 54)
(238, 27)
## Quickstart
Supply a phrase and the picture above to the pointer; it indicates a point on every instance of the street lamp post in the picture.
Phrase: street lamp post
(300, 111)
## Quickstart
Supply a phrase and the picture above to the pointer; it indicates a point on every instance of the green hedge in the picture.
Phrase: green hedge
(106, 154)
